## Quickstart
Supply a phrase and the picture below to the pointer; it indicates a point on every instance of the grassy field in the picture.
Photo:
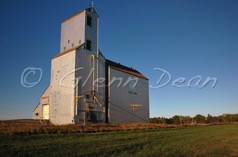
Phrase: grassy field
(216, 140)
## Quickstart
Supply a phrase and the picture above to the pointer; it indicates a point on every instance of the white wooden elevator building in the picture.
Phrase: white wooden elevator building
(85, 87)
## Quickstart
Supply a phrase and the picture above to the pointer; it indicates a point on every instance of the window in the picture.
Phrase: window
(89, 45)
(68, 41)
(72, 44)
(64, 48)
(79, 42)
(89, 21)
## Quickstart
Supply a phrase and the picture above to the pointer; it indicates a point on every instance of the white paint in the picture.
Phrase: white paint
(121, 99)
(75, 73)
(73, 30)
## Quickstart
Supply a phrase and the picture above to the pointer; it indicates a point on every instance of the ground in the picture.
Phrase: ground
(214, 140)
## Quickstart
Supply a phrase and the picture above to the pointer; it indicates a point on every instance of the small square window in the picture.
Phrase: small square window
(89, 21)
(89, 45)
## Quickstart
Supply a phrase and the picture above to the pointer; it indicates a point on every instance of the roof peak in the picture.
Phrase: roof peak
(91, 9)
(92, 5)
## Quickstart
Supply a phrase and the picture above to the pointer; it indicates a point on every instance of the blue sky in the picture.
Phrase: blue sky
(187, 38)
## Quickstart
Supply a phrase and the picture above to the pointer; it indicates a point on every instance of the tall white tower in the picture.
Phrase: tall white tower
(79, 29)
(75, 69)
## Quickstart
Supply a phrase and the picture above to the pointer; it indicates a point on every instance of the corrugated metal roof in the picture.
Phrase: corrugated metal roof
(92, 10)
(125, 69)
(73, 16)
(112, 64)
(88, 9)
(67, 51)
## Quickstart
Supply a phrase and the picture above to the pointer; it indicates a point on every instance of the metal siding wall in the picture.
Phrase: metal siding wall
(91, 33)
(121, 110)
(38, 110)
(62, 90)
(83, 60)
(101, 74)
(84, 64)
(73, 30)
(42, 101)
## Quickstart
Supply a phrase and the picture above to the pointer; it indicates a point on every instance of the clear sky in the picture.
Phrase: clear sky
(187, 38)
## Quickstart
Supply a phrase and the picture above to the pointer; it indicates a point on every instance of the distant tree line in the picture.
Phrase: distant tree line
(196, 119)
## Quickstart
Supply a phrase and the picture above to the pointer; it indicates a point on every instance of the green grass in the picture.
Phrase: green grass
(217, 140)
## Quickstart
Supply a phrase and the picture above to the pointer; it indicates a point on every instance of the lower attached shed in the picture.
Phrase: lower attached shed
(42, 110)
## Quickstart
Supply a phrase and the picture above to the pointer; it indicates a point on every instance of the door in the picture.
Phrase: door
(46, 111)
